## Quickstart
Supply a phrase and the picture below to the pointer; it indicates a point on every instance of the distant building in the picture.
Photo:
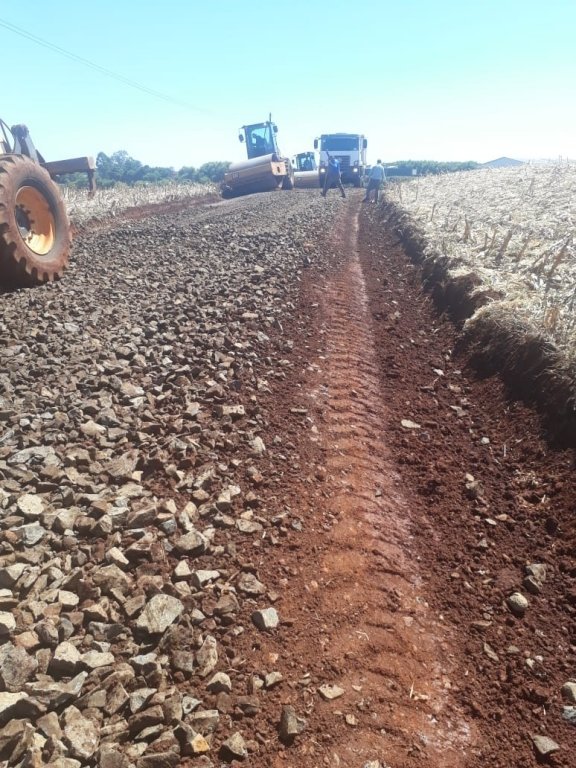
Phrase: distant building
(501, 162)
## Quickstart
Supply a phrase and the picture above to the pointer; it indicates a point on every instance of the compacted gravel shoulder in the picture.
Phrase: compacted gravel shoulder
(256, 508)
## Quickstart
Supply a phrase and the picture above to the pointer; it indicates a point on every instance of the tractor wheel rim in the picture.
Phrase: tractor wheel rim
(35, 220)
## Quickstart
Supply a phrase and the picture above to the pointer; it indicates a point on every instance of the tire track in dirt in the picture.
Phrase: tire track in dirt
(385, 648)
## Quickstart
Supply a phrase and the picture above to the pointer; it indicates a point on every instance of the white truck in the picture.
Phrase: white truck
(349, 149)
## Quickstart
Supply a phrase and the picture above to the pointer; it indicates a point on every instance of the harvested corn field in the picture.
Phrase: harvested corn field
(498, 244)
(513, 230)
(257, 508)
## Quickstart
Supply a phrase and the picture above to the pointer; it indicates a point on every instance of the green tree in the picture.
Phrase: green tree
(118, 167)
(214, 171)
(188, 173)
(121, 168)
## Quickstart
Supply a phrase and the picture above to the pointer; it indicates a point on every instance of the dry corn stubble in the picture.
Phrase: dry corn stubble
(112, 201)
(514, 228)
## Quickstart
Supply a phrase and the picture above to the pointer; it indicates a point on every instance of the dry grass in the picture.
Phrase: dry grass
(515, 228)
(111, 202)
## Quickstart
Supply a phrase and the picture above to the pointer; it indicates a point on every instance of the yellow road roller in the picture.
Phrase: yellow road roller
(305, 170)
(265, 169)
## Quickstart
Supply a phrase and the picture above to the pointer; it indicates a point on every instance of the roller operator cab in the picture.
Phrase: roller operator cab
(304, 161)
(260, 139)
(349, 149)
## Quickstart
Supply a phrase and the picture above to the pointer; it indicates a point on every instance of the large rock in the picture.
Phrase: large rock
(65, 659)
(50, 726)
(16, 668)
(18, 705)
(140, 698)
(159, 760)
(30, 534)
(30, 505)
(330, 692)
(219, 683)
(569, 691)
(161, 611)
(200, 579)
(266, 619)
(110, 757)
(96, 659)
(110, 577)
(291, 725)
(192, 543)
(248, 584)
(544, 745)
(53, 694)
(11, 573)
(207, 656)
(517, 603)
(205, 720)
(145, 719)
(10, 734)
(234, 747)
(80, 734)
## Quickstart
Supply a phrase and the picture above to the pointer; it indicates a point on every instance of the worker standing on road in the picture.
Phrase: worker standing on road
(333, 178)
(375, 180)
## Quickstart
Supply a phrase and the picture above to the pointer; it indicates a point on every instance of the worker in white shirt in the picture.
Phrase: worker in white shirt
(375, 180)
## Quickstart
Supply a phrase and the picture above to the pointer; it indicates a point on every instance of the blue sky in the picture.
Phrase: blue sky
(422, 79)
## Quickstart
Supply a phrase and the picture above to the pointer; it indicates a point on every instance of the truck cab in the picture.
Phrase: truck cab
(349, 149)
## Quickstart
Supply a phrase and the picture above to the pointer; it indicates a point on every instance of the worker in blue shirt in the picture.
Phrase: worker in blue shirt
(375, 180)
(333, 178)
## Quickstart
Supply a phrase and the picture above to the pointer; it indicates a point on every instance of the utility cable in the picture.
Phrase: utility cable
(102, 70)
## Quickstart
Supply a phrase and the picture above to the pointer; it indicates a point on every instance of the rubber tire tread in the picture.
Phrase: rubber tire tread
(19, 266)
(288, 182)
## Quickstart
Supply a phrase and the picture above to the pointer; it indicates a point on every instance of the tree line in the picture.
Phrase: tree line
(121, 168)
(425, 167)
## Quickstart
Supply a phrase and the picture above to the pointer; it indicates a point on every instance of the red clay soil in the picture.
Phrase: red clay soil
(422, 492)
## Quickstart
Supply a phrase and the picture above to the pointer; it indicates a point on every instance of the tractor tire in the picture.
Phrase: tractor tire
(35, 237)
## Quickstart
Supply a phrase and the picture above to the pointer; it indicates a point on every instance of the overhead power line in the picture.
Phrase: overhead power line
(96, 67)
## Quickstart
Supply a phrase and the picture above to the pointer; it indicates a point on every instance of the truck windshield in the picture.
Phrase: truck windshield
(340, 143)
(260, 140)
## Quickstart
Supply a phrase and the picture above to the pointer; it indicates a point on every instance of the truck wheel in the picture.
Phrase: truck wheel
(35, 236)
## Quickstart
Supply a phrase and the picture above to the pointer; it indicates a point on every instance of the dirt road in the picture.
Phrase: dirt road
(281, 516)
(439, 491)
